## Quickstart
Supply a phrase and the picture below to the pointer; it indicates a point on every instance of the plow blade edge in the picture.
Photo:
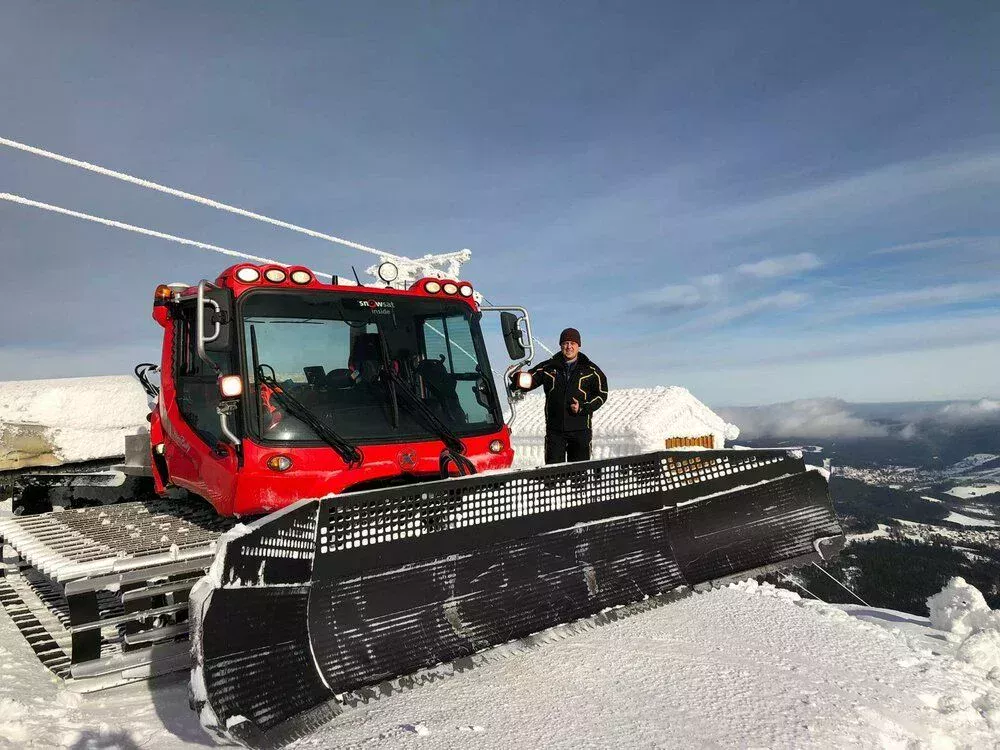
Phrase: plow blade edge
(332, 596)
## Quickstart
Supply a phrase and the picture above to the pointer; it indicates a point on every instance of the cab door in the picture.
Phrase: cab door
(200, 459)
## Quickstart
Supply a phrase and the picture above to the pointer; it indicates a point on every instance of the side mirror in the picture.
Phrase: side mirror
(512, 335)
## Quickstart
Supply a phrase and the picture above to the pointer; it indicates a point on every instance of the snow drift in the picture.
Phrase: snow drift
(52, 422)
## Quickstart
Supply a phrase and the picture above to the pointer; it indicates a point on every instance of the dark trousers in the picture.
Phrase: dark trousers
(567, 446)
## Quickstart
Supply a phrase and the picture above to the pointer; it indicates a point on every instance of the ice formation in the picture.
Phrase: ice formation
(634, 420)
(52, 422)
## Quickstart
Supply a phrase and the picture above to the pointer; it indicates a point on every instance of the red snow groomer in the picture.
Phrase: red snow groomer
(277, 387)
(365, 421)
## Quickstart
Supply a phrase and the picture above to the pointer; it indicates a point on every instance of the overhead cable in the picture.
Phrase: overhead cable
(192, 197)
(10, 197)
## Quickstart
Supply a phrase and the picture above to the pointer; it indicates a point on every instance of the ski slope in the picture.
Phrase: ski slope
(743, 666)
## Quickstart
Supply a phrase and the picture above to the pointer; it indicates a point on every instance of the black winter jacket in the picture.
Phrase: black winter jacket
(586, 384)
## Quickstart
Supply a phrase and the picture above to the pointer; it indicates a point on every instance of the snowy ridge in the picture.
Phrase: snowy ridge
(68, 420)
(634, 420)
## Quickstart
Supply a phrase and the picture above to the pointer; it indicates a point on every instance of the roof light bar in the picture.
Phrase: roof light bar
(248, 274)
(275, 275)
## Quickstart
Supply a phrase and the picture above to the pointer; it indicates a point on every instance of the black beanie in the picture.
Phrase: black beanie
(570, 334)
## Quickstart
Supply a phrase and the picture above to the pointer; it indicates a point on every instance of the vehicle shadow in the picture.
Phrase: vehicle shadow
(169, 694)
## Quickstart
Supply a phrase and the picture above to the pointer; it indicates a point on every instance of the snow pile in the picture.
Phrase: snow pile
(960, 609)
(634, 420)
(52, 422)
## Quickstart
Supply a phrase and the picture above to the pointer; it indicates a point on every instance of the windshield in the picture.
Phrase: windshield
(328, 351)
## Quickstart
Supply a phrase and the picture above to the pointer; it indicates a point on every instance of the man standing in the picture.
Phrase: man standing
(574, 389)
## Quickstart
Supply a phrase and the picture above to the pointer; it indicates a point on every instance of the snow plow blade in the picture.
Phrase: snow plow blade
(334, 596)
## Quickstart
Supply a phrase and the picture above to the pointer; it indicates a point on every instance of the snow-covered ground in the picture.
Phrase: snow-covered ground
(743, 666)
(975, 490)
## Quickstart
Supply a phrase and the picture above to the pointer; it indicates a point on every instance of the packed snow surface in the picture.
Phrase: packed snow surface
(743, 666)
(52, 422)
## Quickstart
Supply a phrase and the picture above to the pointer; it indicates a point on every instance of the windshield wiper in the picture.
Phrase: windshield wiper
(304, 414)
(454, 447)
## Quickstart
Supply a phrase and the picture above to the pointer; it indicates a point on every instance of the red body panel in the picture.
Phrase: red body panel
(249, 487)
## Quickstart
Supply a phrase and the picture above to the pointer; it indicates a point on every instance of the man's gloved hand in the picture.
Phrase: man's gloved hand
(574, 406)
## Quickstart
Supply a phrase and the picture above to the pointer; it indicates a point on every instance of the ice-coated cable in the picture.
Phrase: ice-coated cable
(843, 586)
(149, 184)
(796, 583)
(142, 230)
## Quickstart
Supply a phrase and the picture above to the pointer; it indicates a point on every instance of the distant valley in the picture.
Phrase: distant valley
(917, 489)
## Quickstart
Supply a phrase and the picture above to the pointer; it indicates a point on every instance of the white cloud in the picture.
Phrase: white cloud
(698, 293)
(945, 294)
(782, 265)
(805, 419)
(725, 315)
(936, 244)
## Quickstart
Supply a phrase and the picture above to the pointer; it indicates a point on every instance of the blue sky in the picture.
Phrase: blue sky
(758, 201)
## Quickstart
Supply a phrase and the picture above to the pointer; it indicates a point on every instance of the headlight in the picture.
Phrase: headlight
(388, 272)
(275, 275)
(248, 275)
(450, 287)
(465, 290)
(301, 277)
(496, 446)
(432, 286)
(230, 386)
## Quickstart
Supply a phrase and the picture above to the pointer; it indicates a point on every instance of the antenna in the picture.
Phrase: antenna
(356, 276)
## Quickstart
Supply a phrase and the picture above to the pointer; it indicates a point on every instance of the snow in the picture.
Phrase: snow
(969, 520)
(52, 422)
(743, 666)
(975, 490)
(634, 420)
(959, 608)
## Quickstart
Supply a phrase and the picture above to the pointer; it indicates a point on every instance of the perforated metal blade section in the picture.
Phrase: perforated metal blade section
(407, 578)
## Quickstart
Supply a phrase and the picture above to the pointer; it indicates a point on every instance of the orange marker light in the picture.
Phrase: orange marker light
(163, 293)
(279, 463)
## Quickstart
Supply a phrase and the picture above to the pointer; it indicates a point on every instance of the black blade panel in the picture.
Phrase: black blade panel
(376, 627)
(256, 658)
(752, 527)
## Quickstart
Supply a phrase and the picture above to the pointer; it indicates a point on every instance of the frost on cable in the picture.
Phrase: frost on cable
(68, 420)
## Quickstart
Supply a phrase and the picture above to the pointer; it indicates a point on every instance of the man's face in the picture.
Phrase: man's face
(569, 349)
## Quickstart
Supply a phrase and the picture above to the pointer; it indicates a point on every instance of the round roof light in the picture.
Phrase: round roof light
(465, 290)
(248, 274)
(388, 272)
(275, 275)
(450, 287)
(432, 286)
(301, 277)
